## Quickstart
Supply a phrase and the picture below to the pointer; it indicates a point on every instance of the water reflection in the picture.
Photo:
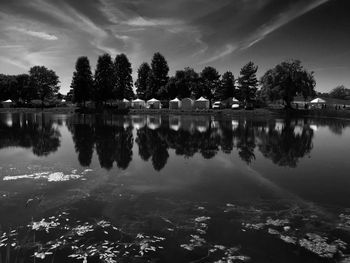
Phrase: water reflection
(32, 131)
(284, 142)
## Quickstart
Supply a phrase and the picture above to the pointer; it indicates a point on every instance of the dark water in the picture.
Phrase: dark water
(173, 189)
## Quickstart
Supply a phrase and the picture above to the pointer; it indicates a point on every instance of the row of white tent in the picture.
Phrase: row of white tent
(186, 104)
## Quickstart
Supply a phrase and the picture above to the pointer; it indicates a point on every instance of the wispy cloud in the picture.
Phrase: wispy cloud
(229, 48)
(142, 22)
(38, 34)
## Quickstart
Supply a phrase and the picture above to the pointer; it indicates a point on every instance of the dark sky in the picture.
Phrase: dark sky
(225, 34)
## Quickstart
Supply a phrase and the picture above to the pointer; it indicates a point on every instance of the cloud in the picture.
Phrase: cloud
(38, 34)
(229, 49)
(142, 22)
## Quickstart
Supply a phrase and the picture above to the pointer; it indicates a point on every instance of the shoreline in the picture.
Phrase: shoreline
(261, 112)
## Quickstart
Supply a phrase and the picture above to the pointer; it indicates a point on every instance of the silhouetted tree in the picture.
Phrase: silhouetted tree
(82, 82)
(123, 71)
(287, 80)
(104, 79)
(83, 138)
(226, 89)
(123, 151)
(247, 82)
(209, 81)
(160, 70)
(339, 92)
(45, 82)
(141, 82)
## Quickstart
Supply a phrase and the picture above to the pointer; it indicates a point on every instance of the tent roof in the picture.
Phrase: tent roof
(175, 100)
(138, 100)
(125, 100)
(234, 99)
(318, 100)
(8, 101)
(202, 99)
(153, 100)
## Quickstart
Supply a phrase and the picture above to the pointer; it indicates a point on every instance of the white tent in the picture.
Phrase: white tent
(318, 101)
(8, 101)
(186, 104)
(175, 104)
(234, 100)
(201, 103)
(138, 104)
(126, 103)
(153, 104)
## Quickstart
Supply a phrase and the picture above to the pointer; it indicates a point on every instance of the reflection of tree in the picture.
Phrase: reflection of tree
(123, 151)
(285, 147)
(27, 132)
(105, 145)
(83, 137)
(152, 145)
(226, 138)
(245, 136)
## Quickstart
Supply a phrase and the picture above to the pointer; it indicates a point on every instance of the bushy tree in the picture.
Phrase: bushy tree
(104, 79)
(247, 82)
(82, 82)
(160, 70)
(44, 81)
(141, 82)
(287, 80)
(226, 89)
(123, 78)
(209, 81)
(339, 92)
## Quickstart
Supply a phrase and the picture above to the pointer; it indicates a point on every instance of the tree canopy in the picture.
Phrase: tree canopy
(159, 77)
(141, 82)
(208, 82)
(287, 80)
(82, 82)
(104, 79)
(247, 82)
(339, 92)
(44, 81)
(123, 78)
(226, 89)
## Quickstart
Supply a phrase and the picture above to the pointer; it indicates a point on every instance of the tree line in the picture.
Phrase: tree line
(113, 80)
(40, 83)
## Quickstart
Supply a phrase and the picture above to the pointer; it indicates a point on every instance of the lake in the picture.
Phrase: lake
(168, 188)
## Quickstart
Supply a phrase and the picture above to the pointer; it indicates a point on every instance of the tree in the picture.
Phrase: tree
(339, 92)
(141, 82)
(25, 90)
(287, 80)
(209, 81)
(104, 79)
(82, 82)
(123, 78)
(247, 82)
(44, 81)
(226, 89)
(160, 70)
(185, 81)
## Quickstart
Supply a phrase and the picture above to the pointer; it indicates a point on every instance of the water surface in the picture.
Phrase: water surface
(90, 188)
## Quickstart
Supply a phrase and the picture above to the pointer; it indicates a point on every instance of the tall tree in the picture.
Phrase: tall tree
(123, 78)
(226, 89)
(248, 82)
(209, 81)
(160, 70)
(141, 82)
(104, 79)
(185, 81)
(45, 81)
(287, 80)
(82, 82)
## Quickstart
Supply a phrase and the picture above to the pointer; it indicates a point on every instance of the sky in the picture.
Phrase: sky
(225, 34)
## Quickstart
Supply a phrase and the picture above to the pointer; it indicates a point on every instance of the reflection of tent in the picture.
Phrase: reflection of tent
(318, 101)
(186, 104)
(138, 122)
(138, 104)
(153, 104)
(234, 124)
(201, 103)
(153, 122)
(175, 104)
(174, 122)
